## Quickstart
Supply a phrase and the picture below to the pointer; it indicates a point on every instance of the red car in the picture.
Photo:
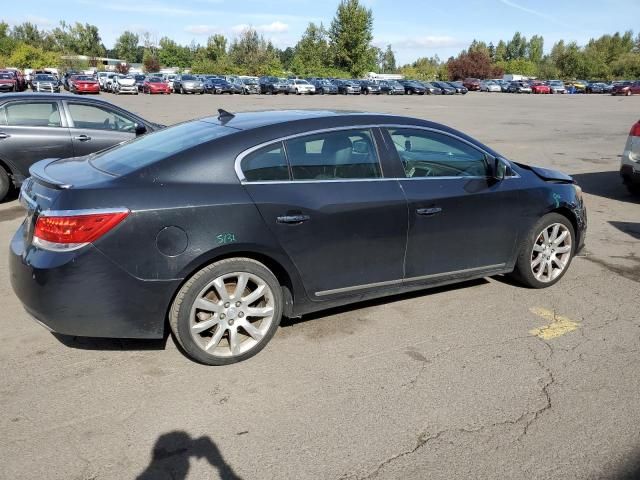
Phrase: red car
(83, 84)
(626, 88)
(20, 81)
(540, 88)
(471, 84)
(153, 85)
(8, 82)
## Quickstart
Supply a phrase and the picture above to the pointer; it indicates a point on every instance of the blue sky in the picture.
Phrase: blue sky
(414, 28)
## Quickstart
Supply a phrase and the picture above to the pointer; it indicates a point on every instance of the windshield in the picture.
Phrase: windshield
(6, 76)
(82, 78)
(44, 78)
(139, 77)
(154, 147)
(250, 82)
(188, 77)
(154, 80)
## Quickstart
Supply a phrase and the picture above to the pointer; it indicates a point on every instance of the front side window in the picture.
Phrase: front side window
(31, 114)
(266, 164)
(430, 154)
(343, 154)
(98, 118)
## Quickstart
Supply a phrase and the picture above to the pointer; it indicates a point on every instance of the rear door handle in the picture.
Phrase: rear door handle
(4, 135)
(293, 219)
(82, 138)
(428, 211)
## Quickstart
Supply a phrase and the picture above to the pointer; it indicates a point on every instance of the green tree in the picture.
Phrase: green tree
(311, 52)
(27, 56)
(126, 46)
(170, 54)
(519, 66)
(535, 49)
(501, 51)
(388, 61)
(77, 39)
(30, 34)
(516, 47)
(252, 54)
(423, 69)
(350, 35)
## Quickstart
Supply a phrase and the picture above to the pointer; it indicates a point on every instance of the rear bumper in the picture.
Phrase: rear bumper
(83, 293)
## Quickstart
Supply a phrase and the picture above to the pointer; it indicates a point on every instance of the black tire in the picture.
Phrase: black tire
(5, 184)
(523, 271)
(179, 315)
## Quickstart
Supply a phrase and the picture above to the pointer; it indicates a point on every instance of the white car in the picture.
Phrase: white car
(557, 86)
(124, 84)
(630, 162)
(168, 78)
(300, 87)
(490, 86)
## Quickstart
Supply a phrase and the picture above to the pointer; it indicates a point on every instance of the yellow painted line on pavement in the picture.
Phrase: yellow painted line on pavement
(558, 325)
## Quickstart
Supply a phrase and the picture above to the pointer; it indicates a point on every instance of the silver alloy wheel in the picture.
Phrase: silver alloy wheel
(551, 252)
(232, 314)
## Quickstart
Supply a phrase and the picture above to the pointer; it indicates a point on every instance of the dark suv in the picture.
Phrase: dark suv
(272, 85)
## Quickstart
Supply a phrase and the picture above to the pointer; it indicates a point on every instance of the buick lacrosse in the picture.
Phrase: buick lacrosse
(217, 227)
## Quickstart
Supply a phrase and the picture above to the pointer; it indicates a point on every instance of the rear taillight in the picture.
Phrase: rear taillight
(64, 231)
(635, 130)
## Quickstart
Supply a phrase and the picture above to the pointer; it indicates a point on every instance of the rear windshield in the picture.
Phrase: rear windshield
(154, 147)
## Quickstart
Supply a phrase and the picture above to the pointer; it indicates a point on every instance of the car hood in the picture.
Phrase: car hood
(127, 82)
(549, 174)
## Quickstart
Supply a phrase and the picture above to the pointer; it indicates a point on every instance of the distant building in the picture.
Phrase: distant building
(384, 76)
(101, 62)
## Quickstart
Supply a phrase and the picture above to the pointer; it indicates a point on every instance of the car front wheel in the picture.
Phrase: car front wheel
(5, 184)
(227, 312)
(546, 253)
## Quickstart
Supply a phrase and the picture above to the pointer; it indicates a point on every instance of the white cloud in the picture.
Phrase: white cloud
(202, 29)
(273, 27)
(425, 41)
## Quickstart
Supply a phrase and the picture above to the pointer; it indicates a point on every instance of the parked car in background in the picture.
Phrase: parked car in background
(155, 85)
(557, 86)
(8, 81)
(540, 88)
(249, 86)
(67, 75)
(391, 87)
(431, 89)
(80, 84)
(20, 79)
(519, 87)
(218, 86)
(43, 125)
(187, 84)
(169, 77)
(348, 87)
(595, 87)
(630, 160)
(246, 231)
(576, 86)
(101, 77)
(472, 84)
(367, 87)
(324, 86)
(272, 85)
(43, 82)
(490, 86)
(608, 87)
(300, 86)
(139, 78)
(124, 84)
(411, 87)
(626, 88)
(445, 88)
(459, 87)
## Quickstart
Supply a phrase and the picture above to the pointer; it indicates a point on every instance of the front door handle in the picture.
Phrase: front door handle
(4, 135)
(427, 212)
(82, 138)
(293, 219)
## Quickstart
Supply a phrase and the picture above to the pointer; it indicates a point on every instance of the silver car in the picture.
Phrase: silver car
(45, 83)
(300, 87)
(489, 86)
(557, 86)
(187, 84)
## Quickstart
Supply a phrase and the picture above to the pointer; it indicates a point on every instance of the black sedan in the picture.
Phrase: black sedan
(225, 224)
(431, 89)
(460, 88)
(391, 87)
(369, 88)
(34, 126)
(445, 88)
(324, 86)
(218, 86)
(348, 87)
(412, 87)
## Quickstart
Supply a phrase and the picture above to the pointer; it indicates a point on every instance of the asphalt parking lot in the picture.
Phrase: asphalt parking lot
(484, 380)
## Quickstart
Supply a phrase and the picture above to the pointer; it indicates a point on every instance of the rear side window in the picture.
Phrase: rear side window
(98, 118)
(266, 164)
(154, 147)
(31, 114)
(343, 154)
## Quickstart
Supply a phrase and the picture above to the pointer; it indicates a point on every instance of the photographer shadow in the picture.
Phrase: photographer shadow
(171, 454)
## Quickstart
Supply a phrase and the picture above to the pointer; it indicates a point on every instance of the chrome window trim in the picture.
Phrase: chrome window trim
(85, 211)
(244, 153)
(409, 280)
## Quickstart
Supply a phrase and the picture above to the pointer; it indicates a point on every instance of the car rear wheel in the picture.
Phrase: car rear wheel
(546, 253)
(227, 312)
(5, 184)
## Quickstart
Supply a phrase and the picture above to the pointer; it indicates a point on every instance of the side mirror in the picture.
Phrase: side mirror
(501, 168)
(140, 129)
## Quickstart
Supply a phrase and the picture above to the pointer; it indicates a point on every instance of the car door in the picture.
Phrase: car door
(324, 197)
(461, 220)
(94, 127)
(31, 130)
